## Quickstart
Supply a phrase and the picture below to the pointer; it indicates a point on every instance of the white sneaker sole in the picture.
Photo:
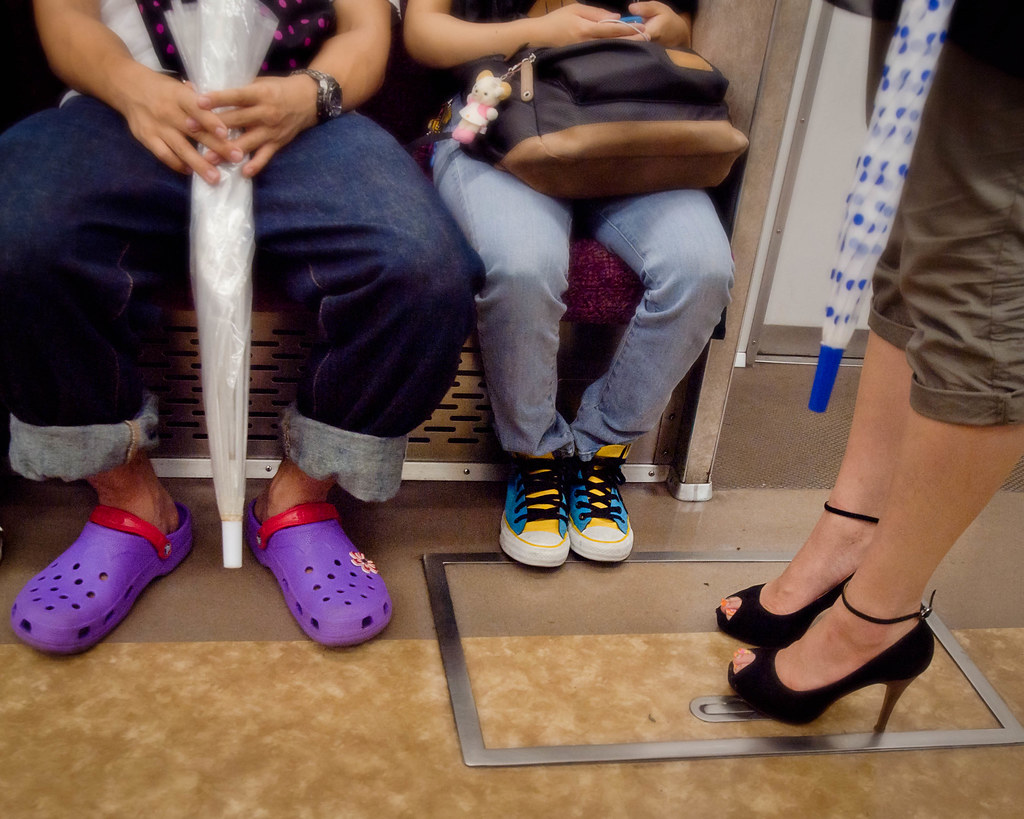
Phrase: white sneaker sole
(607, 551)
(532, 555)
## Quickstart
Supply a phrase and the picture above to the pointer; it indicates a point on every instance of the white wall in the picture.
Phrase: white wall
(835, 134)
(798, 249)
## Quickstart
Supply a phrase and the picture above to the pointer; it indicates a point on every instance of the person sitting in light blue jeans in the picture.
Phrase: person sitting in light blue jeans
(564, 489)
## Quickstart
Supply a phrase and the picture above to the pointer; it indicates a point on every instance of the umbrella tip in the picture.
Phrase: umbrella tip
(231, 543)
(825, 373)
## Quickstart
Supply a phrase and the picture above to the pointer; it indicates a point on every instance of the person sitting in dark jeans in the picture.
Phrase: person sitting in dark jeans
(95, 222)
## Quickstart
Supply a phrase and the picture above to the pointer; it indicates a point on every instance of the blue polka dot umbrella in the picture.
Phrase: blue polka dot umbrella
(222, 43)
(878, 182)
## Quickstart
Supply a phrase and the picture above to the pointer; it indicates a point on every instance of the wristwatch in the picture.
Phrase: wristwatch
(328, 94)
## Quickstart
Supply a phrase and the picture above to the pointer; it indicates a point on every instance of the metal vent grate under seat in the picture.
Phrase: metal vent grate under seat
(459, 431)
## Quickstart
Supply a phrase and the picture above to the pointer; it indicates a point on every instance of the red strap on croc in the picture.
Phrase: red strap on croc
(121, 521)
(296, 516)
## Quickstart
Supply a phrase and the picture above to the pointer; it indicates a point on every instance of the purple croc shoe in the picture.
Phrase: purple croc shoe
(78, 599)
(332, 590)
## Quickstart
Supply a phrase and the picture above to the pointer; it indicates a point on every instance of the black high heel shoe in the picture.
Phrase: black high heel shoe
(897, 667)
(754, 624)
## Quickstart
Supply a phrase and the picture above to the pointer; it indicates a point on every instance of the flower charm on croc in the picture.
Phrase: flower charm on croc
(363, 562)
(82, 595)
(332, 590)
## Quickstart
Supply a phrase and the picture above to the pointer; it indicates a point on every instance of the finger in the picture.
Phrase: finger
(207, 121)
(217, 151)
(255, 138)
(229, 98)
(188, 155)
(593, 13)
(162, 151)
(206, 118)
(608, 31)
(259, 160)
(241, 119)
(645, 8)
(208, 130)
(262, 156)
(629, 29)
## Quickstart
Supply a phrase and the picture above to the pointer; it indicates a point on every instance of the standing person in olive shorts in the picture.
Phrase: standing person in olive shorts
(939, 419)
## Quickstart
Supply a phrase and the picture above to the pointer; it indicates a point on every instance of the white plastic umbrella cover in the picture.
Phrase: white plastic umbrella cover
(222, 44)
(878, 181)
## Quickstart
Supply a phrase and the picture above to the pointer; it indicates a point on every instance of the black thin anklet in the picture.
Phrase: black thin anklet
(835, 510)
(921, 614)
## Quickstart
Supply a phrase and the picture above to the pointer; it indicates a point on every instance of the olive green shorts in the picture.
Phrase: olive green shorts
(949, 288)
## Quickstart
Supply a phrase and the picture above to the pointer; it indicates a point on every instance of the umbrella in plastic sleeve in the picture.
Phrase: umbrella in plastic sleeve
(878, 183)
(222, 44)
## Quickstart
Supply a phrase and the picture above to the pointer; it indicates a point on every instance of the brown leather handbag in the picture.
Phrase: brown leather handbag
(607, 118)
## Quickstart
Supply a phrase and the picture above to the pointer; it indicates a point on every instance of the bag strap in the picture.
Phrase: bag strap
(426, 139)
(435, 130)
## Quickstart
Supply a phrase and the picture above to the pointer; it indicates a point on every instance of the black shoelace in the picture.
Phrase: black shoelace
(601, 479)
(543, 491)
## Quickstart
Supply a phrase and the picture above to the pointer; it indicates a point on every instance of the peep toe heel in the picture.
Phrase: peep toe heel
(754, 624)
(896, 667)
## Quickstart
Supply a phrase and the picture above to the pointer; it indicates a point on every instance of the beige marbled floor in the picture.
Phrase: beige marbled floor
(286, 729)
(209, 702)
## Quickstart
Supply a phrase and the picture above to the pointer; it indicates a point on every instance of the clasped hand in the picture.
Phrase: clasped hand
(576, 22)
(193, 133)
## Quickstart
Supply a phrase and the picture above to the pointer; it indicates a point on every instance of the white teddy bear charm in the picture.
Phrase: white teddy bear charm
(481, 107)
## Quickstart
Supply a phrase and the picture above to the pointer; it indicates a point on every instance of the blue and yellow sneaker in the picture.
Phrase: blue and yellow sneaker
(600, 528)
(534, 528)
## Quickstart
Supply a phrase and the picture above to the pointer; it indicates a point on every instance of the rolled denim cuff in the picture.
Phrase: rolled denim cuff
(367, 467)
(73, 453)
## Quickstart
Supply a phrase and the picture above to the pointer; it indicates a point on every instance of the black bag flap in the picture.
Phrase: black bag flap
(600, 70)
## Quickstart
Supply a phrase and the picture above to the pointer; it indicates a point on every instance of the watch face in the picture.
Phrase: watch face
(333, 106)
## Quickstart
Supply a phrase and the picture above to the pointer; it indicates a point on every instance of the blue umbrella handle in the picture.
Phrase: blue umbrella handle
(829, 359)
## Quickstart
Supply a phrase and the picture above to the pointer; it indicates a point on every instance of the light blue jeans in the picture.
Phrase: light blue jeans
(675, 243)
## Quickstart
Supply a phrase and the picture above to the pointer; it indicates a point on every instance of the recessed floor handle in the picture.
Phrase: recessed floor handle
(723, 709)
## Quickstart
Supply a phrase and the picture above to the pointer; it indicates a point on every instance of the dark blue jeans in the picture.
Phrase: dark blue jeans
(92, 227)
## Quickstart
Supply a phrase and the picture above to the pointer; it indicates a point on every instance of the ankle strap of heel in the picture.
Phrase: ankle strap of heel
(835, 510)
(921, 614)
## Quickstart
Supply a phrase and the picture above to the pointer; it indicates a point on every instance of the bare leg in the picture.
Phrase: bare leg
(835, 546)
(134, 487)
(290, 487)
(944, 476)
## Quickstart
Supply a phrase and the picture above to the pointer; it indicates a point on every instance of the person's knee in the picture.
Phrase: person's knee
(437, 273)
(716, 279)
(696, 285)
(27, 254)
(416, 290)
(531, 277)
(34, 219)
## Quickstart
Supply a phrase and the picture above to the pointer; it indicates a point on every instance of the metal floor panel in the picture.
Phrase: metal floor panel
(475, 752)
